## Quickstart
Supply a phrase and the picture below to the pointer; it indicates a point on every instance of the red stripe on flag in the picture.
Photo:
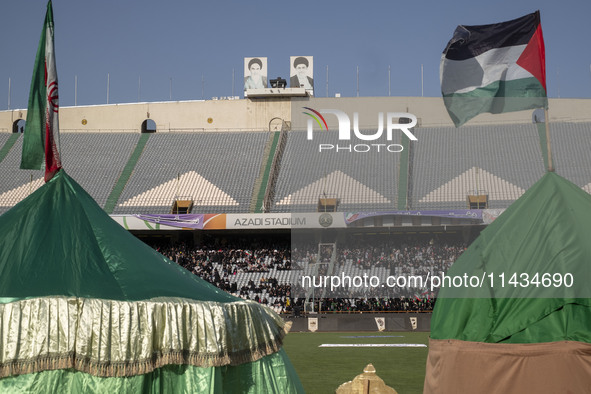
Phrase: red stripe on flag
(533, 58)
(52, 156)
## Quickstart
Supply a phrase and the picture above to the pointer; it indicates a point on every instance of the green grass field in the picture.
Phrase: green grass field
(322, 370)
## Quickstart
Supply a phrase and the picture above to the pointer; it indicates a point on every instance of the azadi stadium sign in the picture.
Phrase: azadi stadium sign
(312, 220)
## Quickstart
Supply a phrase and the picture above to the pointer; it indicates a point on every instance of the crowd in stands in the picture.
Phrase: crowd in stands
(233, 258)
(248, 268)
(377, 304)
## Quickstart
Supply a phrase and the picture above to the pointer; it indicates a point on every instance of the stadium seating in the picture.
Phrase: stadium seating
(94, 160)
(366, 181)
(217, 170)
(450, 163)
(571, 144)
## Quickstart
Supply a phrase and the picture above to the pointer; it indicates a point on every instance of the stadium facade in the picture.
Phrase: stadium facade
(319, 172)
(257, 155)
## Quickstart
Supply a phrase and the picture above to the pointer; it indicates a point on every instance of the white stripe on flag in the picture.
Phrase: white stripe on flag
(462, 76)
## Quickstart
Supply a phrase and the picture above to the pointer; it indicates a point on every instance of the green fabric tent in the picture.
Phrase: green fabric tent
(85, 306)
(519, 329)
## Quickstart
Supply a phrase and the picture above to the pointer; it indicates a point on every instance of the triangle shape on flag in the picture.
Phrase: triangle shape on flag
(189, 184)
(533, 57)
(475, 178)
(347, 189)
(14, 196)
(587, 188)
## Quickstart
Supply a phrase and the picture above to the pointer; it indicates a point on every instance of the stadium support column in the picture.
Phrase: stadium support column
(8, 145)
(404, 172)
(126, 174)
(549, 163)
(262, 182)
(545, 146)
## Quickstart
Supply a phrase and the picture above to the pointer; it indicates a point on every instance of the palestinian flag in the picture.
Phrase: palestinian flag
(526, 327)
(494, 68)
(41, 138)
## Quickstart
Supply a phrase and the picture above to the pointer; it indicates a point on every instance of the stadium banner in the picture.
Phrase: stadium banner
(214, 221)
(223, 221)
(134, 222)
(351, 217)
(284, 220)
(489, 215)
(192, 221)
(260, 221)
(381, 323)
(313, 220)
(313, 324)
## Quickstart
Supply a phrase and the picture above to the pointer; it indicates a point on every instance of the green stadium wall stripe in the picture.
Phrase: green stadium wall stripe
(266, 172)
(403, 173)
(264, 177)
(543, 142)
(126, 173)
(8, 145)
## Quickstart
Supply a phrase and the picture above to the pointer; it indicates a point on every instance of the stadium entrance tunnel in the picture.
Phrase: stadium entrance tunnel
(18, 126)
(148, 126)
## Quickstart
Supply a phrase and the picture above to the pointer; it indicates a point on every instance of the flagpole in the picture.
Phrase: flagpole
(548, 144)
(389, 81)
(327, 80)
(422, 88)
(357, 81)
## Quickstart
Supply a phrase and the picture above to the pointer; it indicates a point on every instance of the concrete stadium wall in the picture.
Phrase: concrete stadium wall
(397, 321)
(210, 115)
(257, 113)
(430, 111)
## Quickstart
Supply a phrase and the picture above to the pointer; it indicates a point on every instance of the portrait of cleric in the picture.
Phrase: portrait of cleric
(255, 73)
(301, 75)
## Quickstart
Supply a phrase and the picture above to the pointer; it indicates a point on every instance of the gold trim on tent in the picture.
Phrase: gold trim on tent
(118, 338)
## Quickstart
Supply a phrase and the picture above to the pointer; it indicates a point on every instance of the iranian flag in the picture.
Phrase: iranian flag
(41, 138)
(494, 68)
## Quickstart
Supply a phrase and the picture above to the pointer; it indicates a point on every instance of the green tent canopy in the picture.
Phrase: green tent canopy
(85, 306)
(519, 330)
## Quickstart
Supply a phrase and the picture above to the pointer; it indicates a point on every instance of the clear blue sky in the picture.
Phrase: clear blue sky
(185, 40)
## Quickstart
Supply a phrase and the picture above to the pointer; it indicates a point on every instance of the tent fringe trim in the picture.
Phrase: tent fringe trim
(128, 368)
(116, 339)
